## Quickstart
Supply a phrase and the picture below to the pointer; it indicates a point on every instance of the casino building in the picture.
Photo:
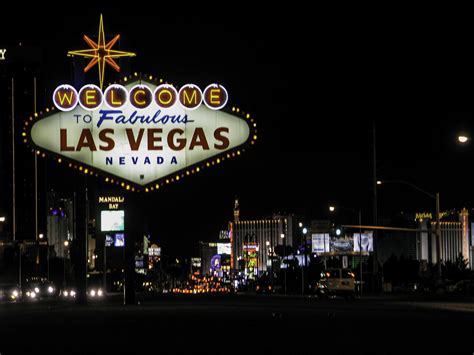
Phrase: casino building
(456, 237)
(253, 241)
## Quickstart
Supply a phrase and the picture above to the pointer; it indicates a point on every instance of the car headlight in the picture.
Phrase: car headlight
(15, 294)
(65, 293)
(32, 294)
(99, 293)
(73, 293)
(37, 290)
(93, 293)
(50, 289)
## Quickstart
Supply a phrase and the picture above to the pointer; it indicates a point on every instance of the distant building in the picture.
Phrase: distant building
(59, 224)
(253, 241)
(206, 252)
(456, 237)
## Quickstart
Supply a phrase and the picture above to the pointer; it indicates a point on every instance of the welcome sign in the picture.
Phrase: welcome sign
(141, 132)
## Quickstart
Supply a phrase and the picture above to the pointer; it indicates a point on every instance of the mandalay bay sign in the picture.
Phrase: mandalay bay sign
(140, 133)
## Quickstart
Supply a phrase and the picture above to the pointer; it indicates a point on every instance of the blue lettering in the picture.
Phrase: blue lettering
(132, 119)
(134, 160)
(120, 118)
(122, 160)
(104, 116)
(156, 116)
(173, 160)
(147, 161)
(159, 160)
(108, 161)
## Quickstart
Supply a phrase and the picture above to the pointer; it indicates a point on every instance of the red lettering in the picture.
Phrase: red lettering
(110, 144)
(199, 139)
(63, 140)
(152, 139)
(223, 139)
(134, 143)
(180, 142)
(86, 140)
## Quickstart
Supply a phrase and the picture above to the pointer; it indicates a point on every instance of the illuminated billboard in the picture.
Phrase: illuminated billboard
(320, 243)
(109, 240)
(250, 259)
(324, 243)
(129, 132)
(223, 248)
(367, 242)
(119, 240)
(341, 244)
(140, 132)
(112, 221)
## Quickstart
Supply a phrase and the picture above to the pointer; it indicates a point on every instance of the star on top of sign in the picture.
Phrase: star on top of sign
(101, 53)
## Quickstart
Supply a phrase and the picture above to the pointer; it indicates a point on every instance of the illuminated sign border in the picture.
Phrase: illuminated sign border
(129, 185)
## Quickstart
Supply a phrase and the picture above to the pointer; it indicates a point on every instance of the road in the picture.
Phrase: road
(249, 324)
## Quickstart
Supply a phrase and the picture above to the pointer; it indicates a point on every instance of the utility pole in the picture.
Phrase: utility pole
(13, 163)
(375, 221)
(360, 250)
(36, 168)
(438, 235)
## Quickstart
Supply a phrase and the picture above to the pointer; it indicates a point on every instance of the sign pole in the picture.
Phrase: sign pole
(130, 219)
(80, 249)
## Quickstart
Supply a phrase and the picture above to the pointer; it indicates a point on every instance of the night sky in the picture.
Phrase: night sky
(315, 82)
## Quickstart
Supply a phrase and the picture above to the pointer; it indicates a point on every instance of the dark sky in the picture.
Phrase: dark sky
(316, 81)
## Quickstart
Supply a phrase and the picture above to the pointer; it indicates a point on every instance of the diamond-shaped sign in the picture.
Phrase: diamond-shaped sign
(142, 146)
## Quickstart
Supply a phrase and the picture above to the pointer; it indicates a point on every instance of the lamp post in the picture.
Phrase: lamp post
(282, 236)
(438, 225)
(359, 213)
(267, 244)
(66, 244)
(305, 230)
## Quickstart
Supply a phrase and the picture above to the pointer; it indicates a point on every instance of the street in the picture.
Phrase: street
(242, 323)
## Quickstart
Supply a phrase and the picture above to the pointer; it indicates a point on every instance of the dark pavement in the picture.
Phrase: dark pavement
(247, 324)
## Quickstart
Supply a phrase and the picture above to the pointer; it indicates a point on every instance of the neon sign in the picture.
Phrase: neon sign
(165, 96)
(101, 53)
(141, 134)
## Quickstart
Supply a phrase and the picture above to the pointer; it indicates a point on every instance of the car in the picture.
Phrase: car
(464, 287)
(40, 289)
(68, 292)
(95, 283)
(264, 286)
(10, 292)
(336, 282)
(95, 292)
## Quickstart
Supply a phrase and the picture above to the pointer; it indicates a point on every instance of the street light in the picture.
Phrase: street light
(438, 225)
(66, 244)
(269, 257)
(463, 139)
(359, 212)
(282, 236)
(305, 230)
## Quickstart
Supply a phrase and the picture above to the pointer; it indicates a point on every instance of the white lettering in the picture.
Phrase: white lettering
(2, 53)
